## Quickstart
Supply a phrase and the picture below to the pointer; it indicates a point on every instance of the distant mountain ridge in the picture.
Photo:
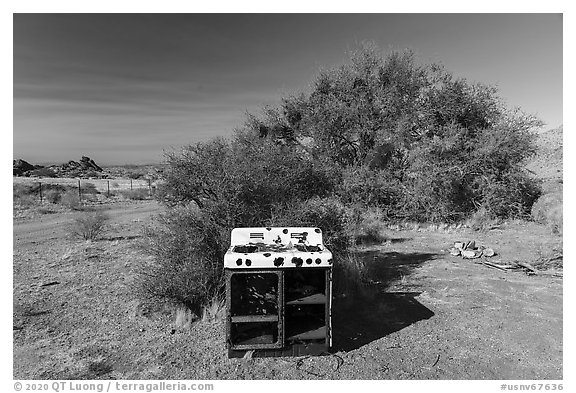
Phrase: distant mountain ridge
(86, 167)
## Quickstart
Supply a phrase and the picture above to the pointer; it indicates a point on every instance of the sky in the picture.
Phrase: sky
(123, 88)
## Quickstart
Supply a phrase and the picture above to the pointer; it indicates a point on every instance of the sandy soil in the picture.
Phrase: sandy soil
(54, 226)
(427, 315)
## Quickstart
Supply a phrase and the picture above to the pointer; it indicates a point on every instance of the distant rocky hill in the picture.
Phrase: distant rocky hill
(20, 167)
(548, 162)
(85, 168)
(547, 165)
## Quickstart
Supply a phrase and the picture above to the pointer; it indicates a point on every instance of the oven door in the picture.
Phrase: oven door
(255, 308)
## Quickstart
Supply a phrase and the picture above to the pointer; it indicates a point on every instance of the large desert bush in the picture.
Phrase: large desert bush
(412, 139)
(187, 249)
(214, 187)
(242, 181)
(380, 133)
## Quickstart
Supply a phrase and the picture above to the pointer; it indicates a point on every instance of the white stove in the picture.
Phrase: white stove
(280, 247)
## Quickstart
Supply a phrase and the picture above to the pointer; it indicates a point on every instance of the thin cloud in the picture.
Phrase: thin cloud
(126, 86)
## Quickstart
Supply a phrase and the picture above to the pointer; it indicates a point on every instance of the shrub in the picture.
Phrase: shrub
(244, 181)
(136, 174)
(23, 190)
(46, 210)
(398, 139)
(482, 220)
(88, 188)
(366, 225)
(371, 188)
(328, 214)
(43, 172)
(511, 197)
(89, 226)
(458, 171)
(26, 201)
(188, 249)
(53, 196)
(412, 139)
(70, 199)
(26, 195)
(138, 194)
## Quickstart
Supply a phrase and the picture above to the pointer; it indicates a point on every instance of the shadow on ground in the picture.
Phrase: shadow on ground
(376, 312)
(384, 268)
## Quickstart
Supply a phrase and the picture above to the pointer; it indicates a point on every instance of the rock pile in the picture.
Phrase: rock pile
(86, 167)
(469, 250)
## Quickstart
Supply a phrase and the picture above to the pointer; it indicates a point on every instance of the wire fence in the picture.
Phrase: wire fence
(86, 187)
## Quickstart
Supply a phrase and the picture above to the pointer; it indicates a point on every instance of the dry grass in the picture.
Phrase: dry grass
(70, 252)
(349, 275)
(214, 311)
(89, 226)
(184, 317)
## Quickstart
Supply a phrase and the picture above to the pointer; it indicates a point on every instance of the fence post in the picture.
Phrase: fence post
(40, 184)
(130, 184)
(108, 189)
(149, 188)
(79, 191)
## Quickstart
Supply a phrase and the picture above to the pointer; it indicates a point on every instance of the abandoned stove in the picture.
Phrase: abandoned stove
(278, 292)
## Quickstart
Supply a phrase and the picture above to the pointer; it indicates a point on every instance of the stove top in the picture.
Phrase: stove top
(281, 247)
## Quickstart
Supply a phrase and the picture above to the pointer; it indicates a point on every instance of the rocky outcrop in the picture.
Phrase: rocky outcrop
(86, 168)
(86, 164)
(20, 167)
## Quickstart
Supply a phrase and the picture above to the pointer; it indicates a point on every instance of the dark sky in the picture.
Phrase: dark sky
(120, 88)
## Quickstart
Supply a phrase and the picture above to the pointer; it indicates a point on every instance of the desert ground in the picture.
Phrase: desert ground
(426, 315)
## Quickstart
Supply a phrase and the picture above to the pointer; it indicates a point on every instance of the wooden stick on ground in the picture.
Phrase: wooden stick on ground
(526, 265)
(494, 266)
